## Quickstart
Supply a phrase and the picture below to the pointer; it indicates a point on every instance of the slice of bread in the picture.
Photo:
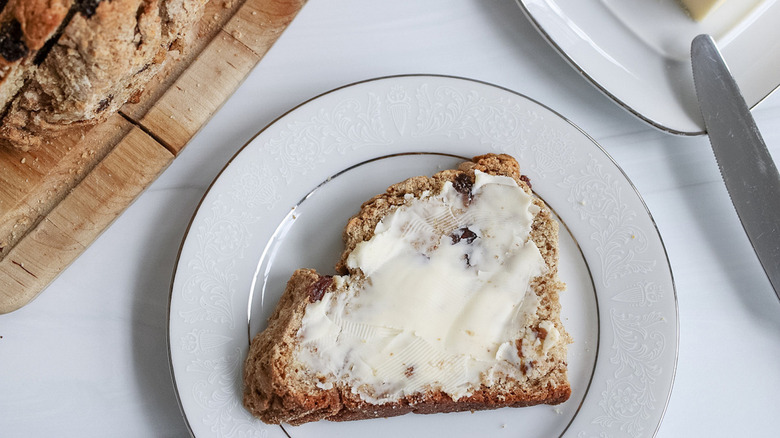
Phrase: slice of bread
(447, 301)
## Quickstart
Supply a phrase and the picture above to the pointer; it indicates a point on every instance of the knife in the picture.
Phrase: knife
(747, 168)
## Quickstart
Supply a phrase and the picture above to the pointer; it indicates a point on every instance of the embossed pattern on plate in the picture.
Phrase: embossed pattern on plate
(255, 214)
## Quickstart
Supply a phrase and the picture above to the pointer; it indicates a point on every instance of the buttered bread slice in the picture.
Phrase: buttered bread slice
(447, 301)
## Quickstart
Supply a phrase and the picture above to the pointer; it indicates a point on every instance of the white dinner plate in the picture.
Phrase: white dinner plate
(281, 203)
(638, 51)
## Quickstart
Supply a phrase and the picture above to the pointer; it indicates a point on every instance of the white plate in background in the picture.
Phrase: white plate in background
(638, 51)
(283, 200)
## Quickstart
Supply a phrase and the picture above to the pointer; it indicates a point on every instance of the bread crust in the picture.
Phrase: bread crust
(39, 19)
(267, 369)
(34, 23)
(277, 390)
(101, 60)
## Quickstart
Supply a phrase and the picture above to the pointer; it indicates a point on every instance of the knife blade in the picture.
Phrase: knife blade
(751, 176)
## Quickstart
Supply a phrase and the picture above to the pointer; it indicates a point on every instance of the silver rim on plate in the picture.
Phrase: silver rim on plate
(590, 77)
(438, 111)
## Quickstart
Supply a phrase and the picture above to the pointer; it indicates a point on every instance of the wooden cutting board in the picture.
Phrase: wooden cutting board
(55, 201)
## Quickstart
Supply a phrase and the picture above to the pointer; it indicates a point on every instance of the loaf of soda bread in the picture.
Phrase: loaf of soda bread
(447, 299)
(66, 64)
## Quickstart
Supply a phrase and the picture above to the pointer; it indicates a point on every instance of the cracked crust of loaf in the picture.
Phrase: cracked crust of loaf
(278, 389)
(38, 21)
(39, 18)
(98, 63)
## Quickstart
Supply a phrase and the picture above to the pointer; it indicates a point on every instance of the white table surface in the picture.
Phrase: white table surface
(88, 357)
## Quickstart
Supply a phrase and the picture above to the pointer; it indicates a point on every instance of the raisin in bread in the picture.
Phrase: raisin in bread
(447, 300)
(99, 56)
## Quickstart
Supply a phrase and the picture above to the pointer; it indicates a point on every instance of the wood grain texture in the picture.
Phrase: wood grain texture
(55, 201)
(191, 100)
(215, 16)
(32, 183)
(258, 24)
(80, 217)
